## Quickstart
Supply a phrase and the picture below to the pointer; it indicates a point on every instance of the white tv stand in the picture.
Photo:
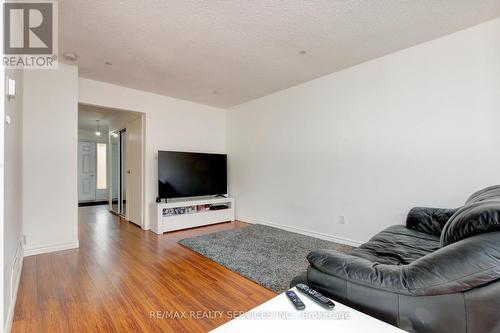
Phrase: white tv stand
(177, 215)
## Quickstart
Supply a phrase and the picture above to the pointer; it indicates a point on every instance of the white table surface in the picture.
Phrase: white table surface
(279, 315)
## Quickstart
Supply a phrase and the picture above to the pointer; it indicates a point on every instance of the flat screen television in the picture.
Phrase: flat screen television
(183, 174)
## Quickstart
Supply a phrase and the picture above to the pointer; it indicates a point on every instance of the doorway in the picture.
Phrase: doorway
(92, 164)
(117, 138)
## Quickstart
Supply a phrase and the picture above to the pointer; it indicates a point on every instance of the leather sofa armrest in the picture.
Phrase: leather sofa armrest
(428, 220)
(300, 278)
(356, 269)
(458, 267)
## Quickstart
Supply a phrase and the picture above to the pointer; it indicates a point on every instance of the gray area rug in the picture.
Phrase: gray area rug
(269, 256)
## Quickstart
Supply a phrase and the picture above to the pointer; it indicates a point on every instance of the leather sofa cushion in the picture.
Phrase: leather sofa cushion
(397, 245)
(472, 219)
(488, 193)
(428, 220)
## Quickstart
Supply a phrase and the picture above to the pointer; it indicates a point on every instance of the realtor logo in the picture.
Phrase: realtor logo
(30, 39)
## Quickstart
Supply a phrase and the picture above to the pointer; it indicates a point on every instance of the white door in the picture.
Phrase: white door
(86, 171)
(133, 171)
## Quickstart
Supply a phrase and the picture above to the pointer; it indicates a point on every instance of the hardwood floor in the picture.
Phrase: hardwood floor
(121, 276)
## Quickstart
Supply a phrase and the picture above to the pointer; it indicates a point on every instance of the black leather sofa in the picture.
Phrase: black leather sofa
(439, 273)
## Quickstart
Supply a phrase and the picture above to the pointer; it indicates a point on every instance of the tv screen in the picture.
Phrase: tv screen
(182, 174)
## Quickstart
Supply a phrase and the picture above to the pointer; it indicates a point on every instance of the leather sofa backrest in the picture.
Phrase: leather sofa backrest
(488, 193)
(428, 220)
(472, 219)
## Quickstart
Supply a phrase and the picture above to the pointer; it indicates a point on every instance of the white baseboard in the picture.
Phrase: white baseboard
(52, 248)
(319, 235)
(15, 288)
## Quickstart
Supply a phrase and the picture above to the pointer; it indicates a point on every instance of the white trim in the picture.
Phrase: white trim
(2, 176)
(10, 313)
(51, 248)
(316, 234)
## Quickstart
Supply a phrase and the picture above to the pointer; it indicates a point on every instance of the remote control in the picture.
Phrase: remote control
(295, 300)
(317, 297)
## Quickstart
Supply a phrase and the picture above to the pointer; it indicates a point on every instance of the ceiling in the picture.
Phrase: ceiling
(88, 114)
(225, 52)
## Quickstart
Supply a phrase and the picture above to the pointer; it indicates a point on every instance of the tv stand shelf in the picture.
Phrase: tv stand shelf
(189, 213)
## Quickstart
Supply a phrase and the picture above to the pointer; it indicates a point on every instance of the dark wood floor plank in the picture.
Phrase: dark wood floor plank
(121, 274)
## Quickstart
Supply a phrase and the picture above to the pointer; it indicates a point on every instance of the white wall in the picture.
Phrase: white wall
(417, 127)
(12, 212)
(50, 127)
(120, 121)
(2, 190)
(171, 124)
(89, 136)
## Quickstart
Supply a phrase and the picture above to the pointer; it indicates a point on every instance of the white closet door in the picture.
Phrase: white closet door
(134, 157)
